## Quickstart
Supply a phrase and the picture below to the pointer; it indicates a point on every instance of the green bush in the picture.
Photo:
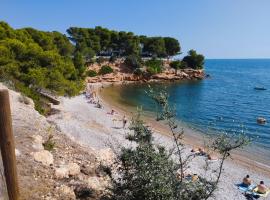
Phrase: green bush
(105, 69)
(133, 62)
(49, 144)
(154, 66)
(194, 60)
(91, 73)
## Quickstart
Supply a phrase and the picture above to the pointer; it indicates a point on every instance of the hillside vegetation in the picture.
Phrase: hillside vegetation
(31, 60)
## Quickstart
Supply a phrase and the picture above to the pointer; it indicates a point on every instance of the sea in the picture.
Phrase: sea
(226, 102)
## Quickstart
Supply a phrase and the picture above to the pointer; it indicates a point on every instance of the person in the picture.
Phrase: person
(247, 180)
(262, 188)
(124, 121)
(202, 152)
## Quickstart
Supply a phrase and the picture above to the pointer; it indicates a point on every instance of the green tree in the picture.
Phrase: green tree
(155, 46)
(79, 63)
(105, 69)
(172, 46)
(133, 62)
(194, 60)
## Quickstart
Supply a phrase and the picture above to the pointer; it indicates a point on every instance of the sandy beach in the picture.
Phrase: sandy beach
(95, 128)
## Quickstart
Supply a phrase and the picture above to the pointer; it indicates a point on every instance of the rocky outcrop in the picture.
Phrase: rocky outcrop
(168, 74)
(44, 157)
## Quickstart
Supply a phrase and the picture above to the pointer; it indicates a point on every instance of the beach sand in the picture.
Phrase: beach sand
(95, 128)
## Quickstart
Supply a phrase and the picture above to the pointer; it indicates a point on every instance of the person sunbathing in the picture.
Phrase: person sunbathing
(211, 157)
(195, 150)
(202, 152)
(262, 189)
(247, 181)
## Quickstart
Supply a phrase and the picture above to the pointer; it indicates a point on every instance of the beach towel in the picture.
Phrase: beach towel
(245, 188)
(255, 192)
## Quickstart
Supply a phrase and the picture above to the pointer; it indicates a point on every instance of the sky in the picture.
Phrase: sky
(215, 28)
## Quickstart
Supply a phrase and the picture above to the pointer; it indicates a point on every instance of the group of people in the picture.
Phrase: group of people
(200, 151)
(261, 187)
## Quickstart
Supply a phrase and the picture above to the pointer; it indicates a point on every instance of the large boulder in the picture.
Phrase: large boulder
(73, 169)
(64, 171)
(44, 157)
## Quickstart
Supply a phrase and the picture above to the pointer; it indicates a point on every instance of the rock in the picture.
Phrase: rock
(94, 183)
(88, 170)
(106, 156)
(44, 157)
(37, 143)
(73, 169)
(98, 183)
(64, 171)
(66, 192)
(61, 172)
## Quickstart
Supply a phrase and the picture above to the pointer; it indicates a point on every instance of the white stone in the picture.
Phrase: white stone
(74, 169)
(106, 156)
(61, 172)
(37, 143)
(94, 183)
(44, 157)
(67, 191)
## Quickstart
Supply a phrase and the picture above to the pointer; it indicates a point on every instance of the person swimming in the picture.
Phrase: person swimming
(247, 180)
(262, 188)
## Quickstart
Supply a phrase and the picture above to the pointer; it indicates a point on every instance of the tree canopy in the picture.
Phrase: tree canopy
(194, 60)
(35, 59)
(101, 40)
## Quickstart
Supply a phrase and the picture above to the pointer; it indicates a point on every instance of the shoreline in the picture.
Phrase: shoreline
(192, 138)
(96, 129)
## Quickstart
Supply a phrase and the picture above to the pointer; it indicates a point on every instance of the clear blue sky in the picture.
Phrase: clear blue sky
(216, 28)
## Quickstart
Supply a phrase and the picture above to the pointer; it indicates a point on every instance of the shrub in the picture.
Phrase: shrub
(105, 69)
(91, 73)
(154, 66)
(49, 144)
(194, 60)
(138, 72)
(133, 62)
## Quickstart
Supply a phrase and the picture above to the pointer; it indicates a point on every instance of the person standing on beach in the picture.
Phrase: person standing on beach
(124, 121)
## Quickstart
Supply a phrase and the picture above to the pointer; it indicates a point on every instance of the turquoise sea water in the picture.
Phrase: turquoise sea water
(225, 102)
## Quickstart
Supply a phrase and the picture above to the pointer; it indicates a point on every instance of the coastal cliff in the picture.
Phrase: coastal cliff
(121, 73)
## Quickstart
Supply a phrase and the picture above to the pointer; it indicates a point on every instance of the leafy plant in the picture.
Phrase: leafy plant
(91, 73)
(49, 144)
(105, 69)
(154, 66)
(133, 62)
